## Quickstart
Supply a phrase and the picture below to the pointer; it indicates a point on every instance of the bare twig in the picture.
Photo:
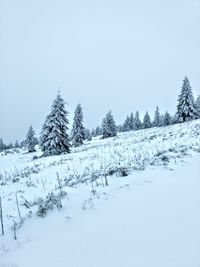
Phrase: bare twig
(1, 217)
(17, 202)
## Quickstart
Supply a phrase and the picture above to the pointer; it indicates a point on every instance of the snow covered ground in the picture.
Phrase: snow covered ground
(149, 218)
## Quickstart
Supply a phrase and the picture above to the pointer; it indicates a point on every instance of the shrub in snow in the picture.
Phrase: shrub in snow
(49, 203)
(78, 130)
(186, 107)
(109, 128)
(119, 171)
(31, 140)
(54, 139)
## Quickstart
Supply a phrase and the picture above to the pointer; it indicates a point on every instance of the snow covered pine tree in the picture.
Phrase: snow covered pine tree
(109, 128)
(157, 118)
(1, 144)
(126, 125)
(78, 130)
(167, 120)
(31, 140)
(137, 121)
(197, 105)
(186, 107)
(54, 138)
(146, 121)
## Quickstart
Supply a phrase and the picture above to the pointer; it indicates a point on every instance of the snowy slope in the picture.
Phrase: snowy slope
(148, 218)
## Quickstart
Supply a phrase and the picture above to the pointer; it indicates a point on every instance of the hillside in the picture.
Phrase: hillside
(127, 201)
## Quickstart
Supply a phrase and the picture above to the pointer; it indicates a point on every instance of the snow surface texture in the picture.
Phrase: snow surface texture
(148, 218)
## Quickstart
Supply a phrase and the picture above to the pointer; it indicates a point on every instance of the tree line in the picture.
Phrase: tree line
(56, 139)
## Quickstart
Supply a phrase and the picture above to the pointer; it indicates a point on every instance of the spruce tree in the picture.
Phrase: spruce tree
(161, 120)
(131, 121)
(16, 144)
(167, 120)
(88, 135)
(197, 105)
(126, 125)
(1, 144)
(109, 128)
(137, 121)
(31, 140)
(119, 128)
(54, 138)
(93, 133)
(186, 107)
(98, 130)
(146, 121)
(78, 130)
(157, 118)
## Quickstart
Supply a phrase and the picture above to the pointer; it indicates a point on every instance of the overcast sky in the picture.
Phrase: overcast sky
(121, 55)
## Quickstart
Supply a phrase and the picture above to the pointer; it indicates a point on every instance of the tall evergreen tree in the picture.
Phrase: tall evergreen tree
(126, 125)
(167, 120)
(157, 118)
(109, 128)
(197, 105)
(98, 130)
(78, 130)
(131, 121)
(31, 140)
(16, 144)
(146, 121)
(137, 121)
(1, 144)
(54, 138)
(88, 135)
(186, 107)
(93, 132)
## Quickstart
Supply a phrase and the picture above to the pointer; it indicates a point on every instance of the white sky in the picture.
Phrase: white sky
(122, 55)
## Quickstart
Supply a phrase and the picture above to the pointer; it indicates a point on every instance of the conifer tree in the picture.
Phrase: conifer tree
(186, 107)
(157, 118)
(161, 120)
(1, 144)
(167, 120)
(119, 128)
(175, 118)
(109, 128)
(31, 140)
(78, 130)
(137, 121)
(197, 105)
(126, 125)
(131, 121)
(16, 144)
(54, 138)
(98, 130)
(88, 135)
(93, 133)
(146, 121)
